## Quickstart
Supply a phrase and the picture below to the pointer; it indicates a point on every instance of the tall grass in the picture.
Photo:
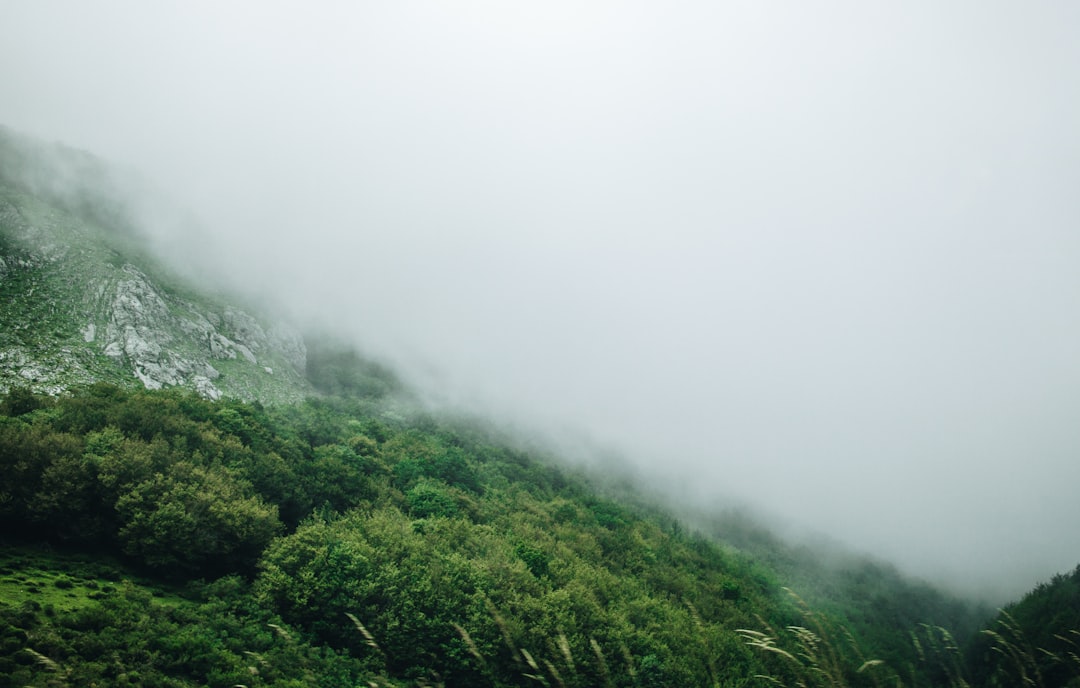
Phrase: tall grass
(812, 657)
(940, 655)
(1023, 664)
(812, 654)
(818, 653)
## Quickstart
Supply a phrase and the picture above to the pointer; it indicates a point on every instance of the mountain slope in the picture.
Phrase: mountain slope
(81, 301)
(377, 542)
(1033, 641)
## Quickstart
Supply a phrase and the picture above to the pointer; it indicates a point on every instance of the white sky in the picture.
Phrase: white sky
(822, 257)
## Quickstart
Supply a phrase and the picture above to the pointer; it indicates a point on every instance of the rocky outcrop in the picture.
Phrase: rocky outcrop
(72, 311)
(136, 335)
(174, 344)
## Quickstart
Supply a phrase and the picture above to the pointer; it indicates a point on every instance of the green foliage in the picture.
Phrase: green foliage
(126, 633)
(428, 500)
(381, 547)
(871, 598)
(423, 456)
(1035, 641)
(337, 369)
(20, 401)
(608, 514)
(335, 477)
(391, 578)
(817, 652)
(536, 559)
(194, 520)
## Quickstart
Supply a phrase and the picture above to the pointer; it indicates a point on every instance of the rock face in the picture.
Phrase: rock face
(174, 345)
(135, 332)
(75, 308)
(163, 341)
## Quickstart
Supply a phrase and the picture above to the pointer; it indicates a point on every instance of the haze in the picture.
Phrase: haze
(822, 258)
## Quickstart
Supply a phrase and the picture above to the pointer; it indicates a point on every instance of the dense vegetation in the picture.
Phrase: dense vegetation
(458, 558)
(167, 540)
(154, 538)
(1035, 641)
(869, 597)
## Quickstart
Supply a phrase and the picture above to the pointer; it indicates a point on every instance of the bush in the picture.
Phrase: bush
(195, 520)
(428, 500)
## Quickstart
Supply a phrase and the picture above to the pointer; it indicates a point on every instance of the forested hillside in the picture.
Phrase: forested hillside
(1035, 640)
(464, 561)
(164, 539)
(193, 496)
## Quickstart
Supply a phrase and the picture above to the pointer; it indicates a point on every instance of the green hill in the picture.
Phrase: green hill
(195, 495)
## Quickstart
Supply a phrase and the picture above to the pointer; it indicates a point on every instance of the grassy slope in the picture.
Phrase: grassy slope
(82, 620)
(56, 581)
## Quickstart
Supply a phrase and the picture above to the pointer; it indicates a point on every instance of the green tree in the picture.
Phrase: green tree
(20, 400)
(428, 499)
(195, 520)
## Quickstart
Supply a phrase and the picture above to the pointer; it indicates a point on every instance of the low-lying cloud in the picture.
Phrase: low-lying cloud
(821, 257)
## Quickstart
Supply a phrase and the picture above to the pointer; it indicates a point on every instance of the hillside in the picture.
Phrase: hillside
(82, 300)
(194, 495)
(1035, 640)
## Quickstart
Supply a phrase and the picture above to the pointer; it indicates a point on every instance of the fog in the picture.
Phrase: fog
(821, 258)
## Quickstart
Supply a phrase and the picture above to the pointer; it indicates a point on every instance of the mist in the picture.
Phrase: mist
(819, 258)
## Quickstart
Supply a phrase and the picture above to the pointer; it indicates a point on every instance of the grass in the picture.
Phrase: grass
(1026, 664)
(811, 656)
(58, 583)
(815, 654)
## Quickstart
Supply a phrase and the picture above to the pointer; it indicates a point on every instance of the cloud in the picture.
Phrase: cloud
(819, 258)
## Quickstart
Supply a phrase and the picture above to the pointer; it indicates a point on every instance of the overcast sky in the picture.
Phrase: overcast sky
(823, 257)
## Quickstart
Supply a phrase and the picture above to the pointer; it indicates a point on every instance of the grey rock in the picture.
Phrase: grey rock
(244, 329)
(220, 347)
(205, 388)
(246, 352)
